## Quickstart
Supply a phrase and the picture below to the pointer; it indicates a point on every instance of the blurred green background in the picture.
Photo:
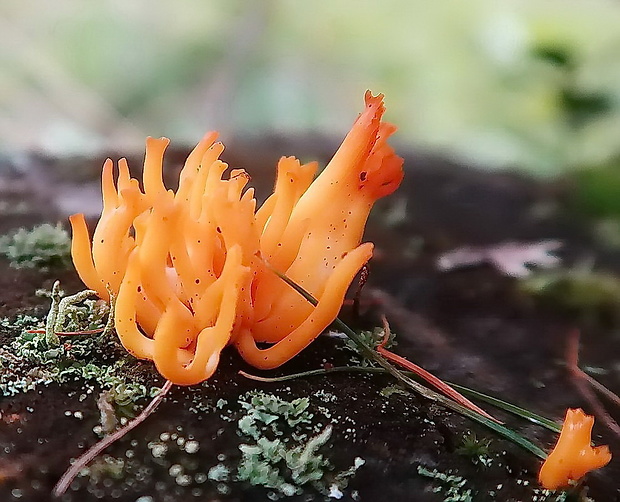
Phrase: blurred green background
(531, 85)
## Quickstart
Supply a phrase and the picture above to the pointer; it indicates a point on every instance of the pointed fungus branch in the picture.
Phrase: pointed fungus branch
(573, 456)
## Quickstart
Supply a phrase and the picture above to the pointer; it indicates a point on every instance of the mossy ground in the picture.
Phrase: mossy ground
(472, 326)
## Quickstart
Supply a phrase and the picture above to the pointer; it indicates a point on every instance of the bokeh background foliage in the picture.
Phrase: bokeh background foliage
(530, 84)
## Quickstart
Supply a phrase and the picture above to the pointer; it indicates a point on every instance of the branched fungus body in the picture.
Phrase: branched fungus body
(193, 270)
(573, 456)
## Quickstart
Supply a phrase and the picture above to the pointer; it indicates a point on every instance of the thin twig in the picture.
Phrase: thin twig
(89, 455)
(584, 383)
(602, 389)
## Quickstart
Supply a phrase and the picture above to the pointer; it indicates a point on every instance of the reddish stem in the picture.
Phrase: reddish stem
(425, 375)
(70, 333)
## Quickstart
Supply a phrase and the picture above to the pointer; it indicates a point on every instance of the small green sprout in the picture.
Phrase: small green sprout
(372, 339)
(477, 449)
(108, 419)
(393, 389)
(44, 246)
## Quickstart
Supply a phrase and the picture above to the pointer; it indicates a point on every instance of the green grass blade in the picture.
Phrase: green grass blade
(493, 401)
(417, 387)
(510, 408)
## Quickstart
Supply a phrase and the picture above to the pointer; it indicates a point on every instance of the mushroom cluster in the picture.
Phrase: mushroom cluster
(192, 271)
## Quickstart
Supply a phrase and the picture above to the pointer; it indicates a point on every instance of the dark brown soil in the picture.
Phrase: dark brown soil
(469, 326)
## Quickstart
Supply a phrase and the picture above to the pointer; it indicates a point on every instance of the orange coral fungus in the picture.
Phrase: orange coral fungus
(192, 270)
(573, 456)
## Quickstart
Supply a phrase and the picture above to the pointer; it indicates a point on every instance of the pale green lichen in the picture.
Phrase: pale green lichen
(273, 464)
(393, 389)
(452, 487)
(75, 313)
(105, 467)
(265, 410)
(219, 473)
(44, 246)
(277, 453)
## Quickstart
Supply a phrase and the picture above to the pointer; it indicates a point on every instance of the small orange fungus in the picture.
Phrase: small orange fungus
(192, 270)
(573, 456)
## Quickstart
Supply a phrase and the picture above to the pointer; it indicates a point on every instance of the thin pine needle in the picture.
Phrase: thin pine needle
(425, 375)
(518, 411)
(415, 386)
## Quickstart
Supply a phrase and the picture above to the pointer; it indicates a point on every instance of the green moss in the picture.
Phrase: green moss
(44, 246)
(33, 359)
(31, 363)
(580, 289)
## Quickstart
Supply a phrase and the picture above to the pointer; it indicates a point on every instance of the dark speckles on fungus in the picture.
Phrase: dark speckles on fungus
(227, 276)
